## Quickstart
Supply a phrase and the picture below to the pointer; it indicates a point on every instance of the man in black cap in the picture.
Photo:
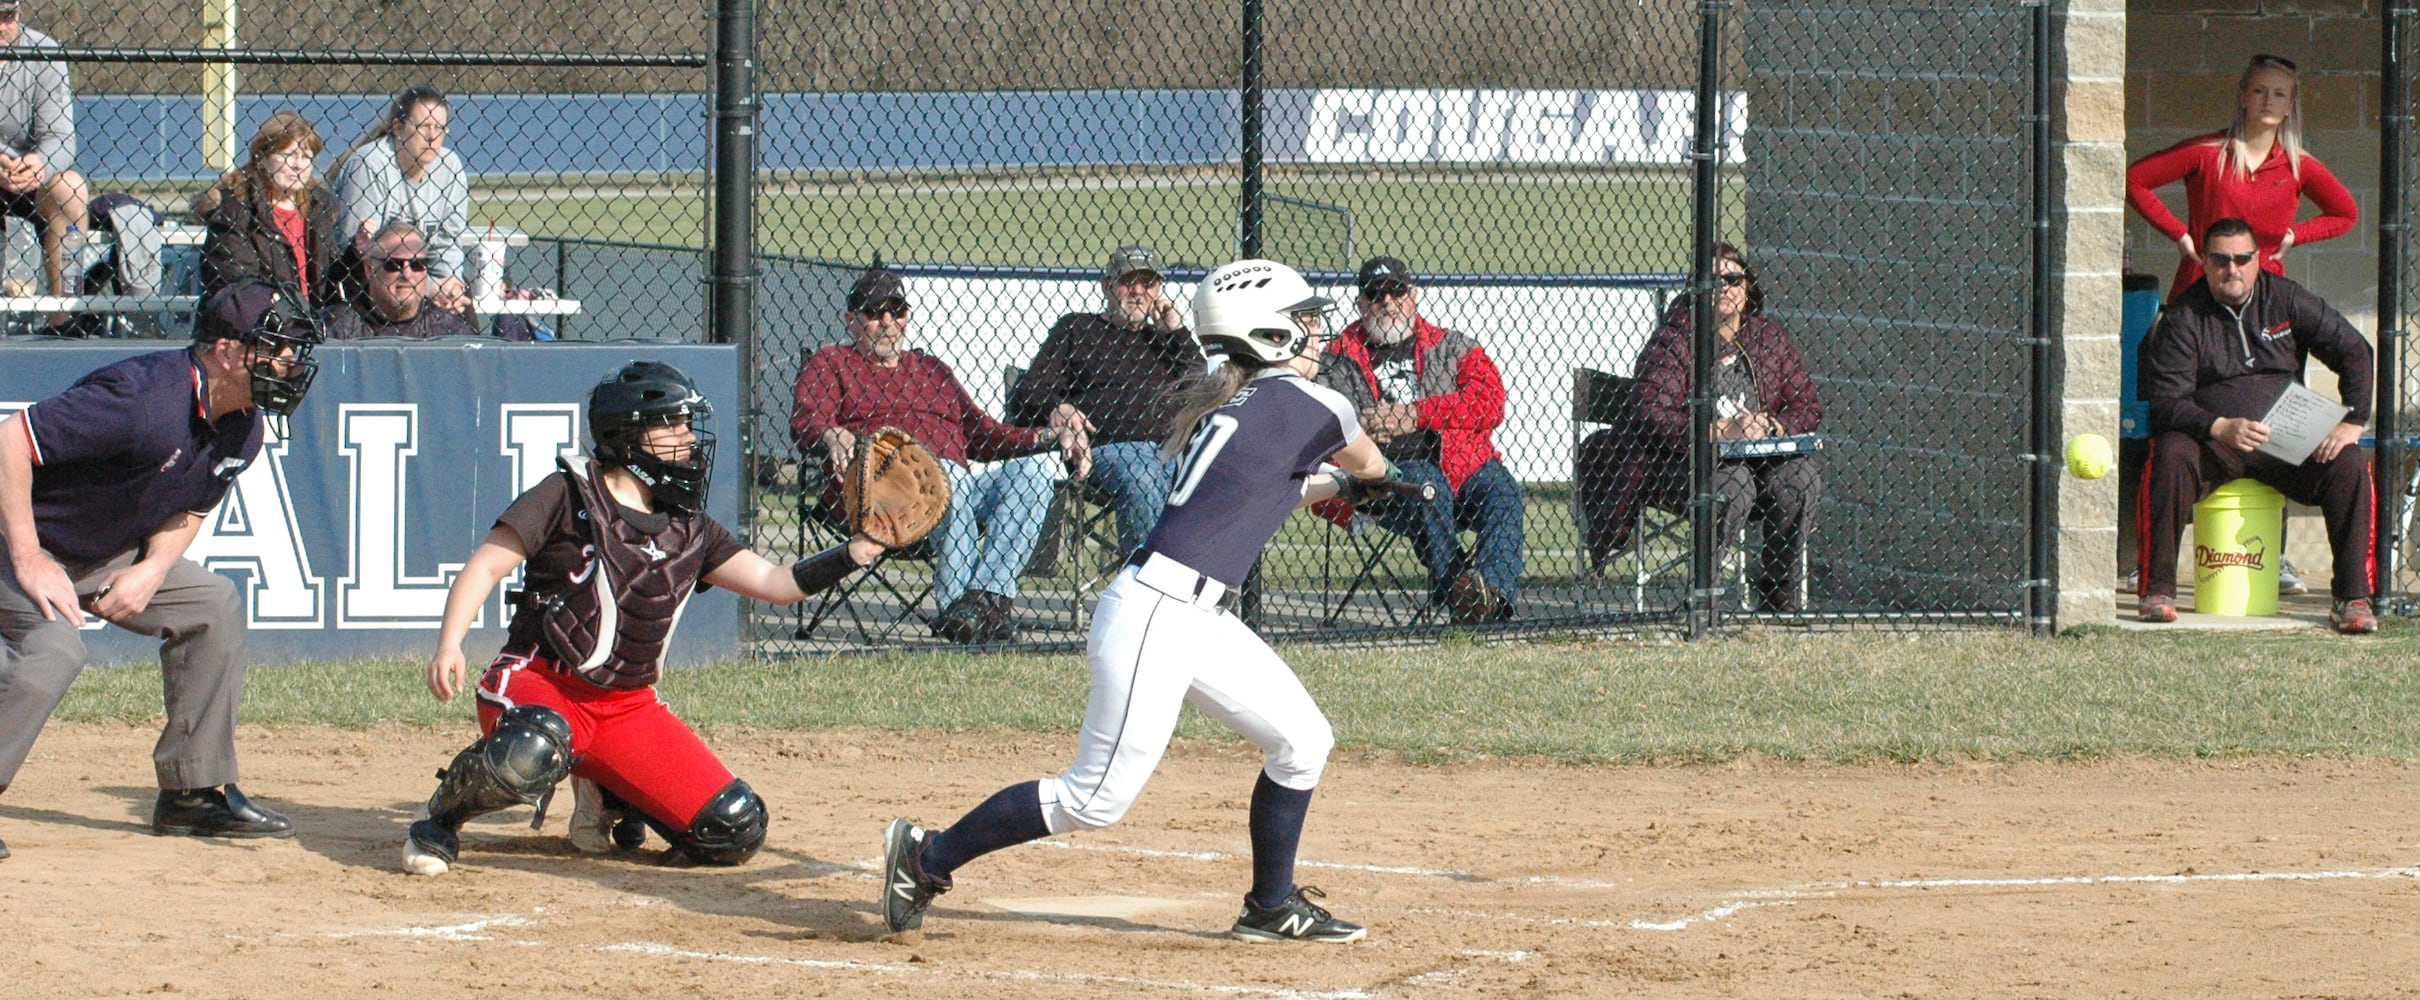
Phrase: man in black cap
(1113, 373)
(102, 488)
(1433, 399)
(995, 514)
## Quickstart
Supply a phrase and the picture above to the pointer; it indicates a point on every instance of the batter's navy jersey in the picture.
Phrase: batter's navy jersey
(1243, 472)
(126, 448)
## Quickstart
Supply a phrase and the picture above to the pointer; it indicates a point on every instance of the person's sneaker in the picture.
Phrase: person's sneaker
(1469, 600)
(2354, 617)
(996, 617)
(601, 821)
(2159, 608)
(906, 889)
(1296, 919)
(215, 812)
(962, 621)
(2289, 583)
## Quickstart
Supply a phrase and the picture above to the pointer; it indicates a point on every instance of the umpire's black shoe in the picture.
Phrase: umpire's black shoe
(1296, 919)
(210, 812)
(906, 889)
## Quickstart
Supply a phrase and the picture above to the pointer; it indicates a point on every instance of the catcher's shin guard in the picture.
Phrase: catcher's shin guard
(728, 828)
(518, 764)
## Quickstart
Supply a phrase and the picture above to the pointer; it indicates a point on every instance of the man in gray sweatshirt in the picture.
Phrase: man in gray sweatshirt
(38, 142)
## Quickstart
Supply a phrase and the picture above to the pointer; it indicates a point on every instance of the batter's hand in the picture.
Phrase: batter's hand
(446, 673)
(2243, 434)
(128, 591)
(42, 579)
(2341, 437)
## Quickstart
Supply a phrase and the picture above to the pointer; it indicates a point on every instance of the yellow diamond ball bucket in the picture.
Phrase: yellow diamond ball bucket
(2235, 550)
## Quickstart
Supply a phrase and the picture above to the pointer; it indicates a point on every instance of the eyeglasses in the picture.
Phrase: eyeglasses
(893, 308)
(2233, 259)
(1379, 293)
(2281, 62)
(1733, 279)
(397, 265)
(432, 130)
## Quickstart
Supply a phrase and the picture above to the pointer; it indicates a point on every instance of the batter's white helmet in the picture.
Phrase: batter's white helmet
(1246, 310)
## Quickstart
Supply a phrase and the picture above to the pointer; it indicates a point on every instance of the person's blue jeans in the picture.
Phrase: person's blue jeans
(1135, 479)
(1489, 505)
(989, 531)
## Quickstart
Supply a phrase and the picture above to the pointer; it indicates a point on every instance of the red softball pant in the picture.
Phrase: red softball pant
(627, 741)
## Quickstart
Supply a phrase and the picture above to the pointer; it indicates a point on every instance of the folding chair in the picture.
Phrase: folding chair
(1366, 550)
(819, 528)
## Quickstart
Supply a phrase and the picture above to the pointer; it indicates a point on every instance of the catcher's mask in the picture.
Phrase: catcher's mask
(645, 394)
(279, 332)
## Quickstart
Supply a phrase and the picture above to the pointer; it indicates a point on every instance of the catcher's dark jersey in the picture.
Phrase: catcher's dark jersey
(1243, 472)
(544, 518)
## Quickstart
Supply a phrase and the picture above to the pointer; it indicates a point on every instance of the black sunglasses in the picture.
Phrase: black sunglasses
(2237, 259)
(398, 265)
(1733, 278)
(892, 307)
(2281, 62)
(1375, 293)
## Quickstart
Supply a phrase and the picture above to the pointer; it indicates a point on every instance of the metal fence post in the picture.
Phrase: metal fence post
(731, 315)
(1248, 222)
(1703, 522)
(2387, 456)
(2042, 432)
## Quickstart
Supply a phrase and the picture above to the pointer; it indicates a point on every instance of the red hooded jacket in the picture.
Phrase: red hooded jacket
(1462, 396)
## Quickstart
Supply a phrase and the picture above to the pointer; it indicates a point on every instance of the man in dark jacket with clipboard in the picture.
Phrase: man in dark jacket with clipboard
(2212, 370)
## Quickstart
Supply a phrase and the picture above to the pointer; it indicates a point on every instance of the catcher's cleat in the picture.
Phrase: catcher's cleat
(429, 848)
(1296, 919)
(906, 889)
(602, 822)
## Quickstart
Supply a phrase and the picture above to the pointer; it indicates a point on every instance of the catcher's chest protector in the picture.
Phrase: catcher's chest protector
(611, 625)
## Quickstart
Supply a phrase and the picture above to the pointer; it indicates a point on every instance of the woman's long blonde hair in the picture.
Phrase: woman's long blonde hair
(1199, 395)
(2238, 160)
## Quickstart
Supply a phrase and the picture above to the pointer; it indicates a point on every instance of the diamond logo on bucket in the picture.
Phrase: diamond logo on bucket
(2214, 559)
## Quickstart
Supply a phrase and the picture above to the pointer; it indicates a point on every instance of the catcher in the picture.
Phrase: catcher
(614, 546)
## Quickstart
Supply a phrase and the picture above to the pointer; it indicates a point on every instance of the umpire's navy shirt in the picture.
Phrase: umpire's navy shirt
(126, 448)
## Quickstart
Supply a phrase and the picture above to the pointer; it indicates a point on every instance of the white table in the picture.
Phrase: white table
(99, 303)
(526, 307)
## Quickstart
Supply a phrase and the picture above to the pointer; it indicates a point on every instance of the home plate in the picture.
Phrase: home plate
(1119, 907)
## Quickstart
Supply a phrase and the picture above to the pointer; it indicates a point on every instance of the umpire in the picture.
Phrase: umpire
(2223, 352)
(102, 488)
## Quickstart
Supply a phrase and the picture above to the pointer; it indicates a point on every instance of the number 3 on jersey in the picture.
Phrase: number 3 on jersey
(1199, 453)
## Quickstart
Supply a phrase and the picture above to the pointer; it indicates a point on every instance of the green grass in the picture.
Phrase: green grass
(1518, 223)
(1864, 696)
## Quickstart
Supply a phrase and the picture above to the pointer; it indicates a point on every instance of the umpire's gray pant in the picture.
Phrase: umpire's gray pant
(198, 616)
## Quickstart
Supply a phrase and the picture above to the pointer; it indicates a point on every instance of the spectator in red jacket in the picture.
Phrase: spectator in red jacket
(995, 514)
(1433, 399)
(2255, 170)
(1762, 390)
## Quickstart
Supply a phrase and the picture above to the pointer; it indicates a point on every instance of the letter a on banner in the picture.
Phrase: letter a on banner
(253, 536)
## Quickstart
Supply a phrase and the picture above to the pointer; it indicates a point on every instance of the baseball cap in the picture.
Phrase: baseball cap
(1387, 270)
(875, 286)
(232, 312)
(1126, 260)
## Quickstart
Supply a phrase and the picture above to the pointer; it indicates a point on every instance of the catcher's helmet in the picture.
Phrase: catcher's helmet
(278, 327)
(645, 394)
(1248, 311)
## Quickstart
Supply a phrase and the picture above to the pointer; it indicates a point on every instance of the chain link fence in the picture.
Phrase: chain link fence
(1532, 174)
(2397, 469)
(1529, 169)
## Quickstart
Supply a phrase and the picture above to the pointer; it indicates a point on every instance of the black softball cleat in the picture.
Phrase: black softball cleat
(1296, 919)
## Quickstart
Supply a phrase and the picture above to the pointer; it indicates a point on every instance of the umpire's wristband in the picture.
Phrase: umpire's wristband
(818, 572)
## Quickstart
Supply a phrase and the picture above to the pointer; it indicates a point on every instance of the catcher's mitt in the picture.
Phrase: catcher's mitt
(894, 491)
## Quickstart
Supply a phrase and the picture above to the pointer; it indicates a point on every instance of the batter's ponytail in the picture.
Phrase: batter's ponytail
(1199, 395)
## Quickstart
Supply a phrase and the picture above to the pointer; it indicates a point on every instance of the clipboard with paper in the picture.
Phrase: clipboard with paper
(2298, 421)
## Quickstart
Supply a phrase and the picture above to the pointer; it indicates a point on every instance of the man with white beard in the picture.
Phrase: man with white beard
(1433, 399)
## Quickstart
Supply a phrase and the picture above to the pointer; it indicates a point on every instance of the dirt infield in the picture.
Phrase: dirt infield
(2264, 878)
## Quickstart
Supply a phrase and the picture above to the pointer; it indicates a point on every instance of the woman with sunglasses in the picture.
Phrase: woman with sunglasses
(270, 220)
(1762, 391)
(2255, 170)
(401, 171)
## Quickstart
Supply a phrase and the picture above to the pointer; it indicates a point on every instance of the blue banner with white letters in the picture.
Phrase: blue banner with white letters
(345, 536)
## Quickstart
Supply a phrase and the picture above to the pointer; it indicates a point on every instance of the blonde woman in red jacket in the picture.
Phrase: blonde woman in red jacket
(2255, 170)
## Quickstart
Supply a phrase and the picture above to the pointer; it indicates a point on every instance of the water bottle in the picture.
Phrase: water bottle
(71, 260)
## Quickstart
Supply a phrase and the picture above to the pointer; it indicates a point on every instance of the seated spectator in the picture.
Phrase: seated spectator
(1433, 399)
(2210, 385)
(38, 144)
(397, 304)
(271, 221)
(400, 171)
(1114, 373)
(995, 515)
(1762, 390)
